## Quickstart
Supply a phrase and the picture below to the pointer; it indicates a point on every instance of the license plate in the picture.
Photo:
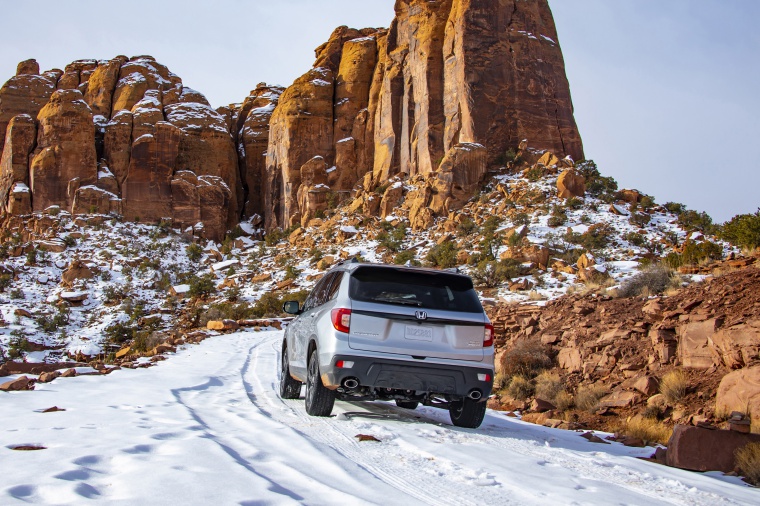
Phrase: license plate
(418, 333)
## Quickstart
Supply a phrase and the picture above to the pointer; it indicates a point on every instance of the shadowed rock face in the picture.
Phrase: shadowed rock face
(436, 99)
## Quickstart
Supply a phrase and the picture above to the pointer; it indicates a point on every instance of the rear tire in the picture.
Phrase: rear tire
(467, 413)
(289, 388)
(407, 404)
(319, 399)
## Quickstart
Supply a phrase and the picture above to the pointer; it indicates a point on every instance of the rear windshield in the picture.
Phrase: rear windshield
(406, 287)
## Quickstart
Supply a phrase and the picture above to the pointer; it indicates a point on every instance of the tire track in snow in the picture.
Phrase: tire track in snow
(592, 466)
(416, 473)
(261, 445)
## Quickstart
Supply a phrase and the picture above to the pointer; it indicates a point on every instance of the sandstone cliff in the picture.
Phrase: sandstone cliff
(125, 136)
(435, 100)
(440, 96)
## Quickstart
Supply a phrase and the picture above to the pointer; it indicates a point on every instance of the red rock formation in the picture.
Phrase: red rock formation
(26, 93)
(301, 128)
(160, 142)
(437, 98)
(65, 157)
(19, 143)
(447, 74)
(253, 139)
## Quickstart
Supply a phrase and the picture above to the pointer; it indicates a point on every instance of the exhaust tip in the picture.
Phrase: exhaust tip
(350, 383)
(475, 394)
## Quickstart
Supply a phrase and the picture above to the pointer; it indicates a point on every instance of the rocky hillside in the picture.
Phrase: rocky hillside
(420, 99)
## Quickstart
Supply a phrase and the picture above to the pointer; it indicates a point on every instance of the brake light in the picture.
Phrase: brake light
(341, 319)
(488, 336)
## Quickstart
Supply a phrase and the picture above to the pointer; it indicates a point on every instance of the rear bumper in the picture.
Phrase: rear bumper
(407, 375)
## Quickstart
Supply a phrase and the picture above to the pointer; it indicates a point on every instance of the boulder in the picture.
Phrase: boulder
(570, 359)
(541, 405)
(739, 345)
(571, 184)
(76, 270)
(619, 399)
(30, 67)
(458, 177)
(701, 449)
(20, 383)
(47, 377)
(740, 391)
(222, 325)
(695, 344)
(647, 385)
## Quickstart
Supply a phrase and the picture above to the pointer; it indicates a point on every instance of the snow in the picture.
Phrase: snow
(180, 289)
(349, 229)
(224, 265)
(20, 188)
(207, 426)
(548, 39)
(247, 228)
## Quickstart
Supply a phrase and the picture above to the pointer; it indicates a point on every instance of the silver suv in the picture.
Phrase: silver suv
(380, 332)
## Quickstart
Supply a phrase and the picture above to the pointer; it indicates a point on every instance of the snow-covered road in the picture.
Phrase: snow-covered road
(207, 427)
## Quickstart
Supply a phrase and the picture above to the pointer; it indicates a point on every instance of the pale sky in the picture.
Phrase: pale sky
(664, 91)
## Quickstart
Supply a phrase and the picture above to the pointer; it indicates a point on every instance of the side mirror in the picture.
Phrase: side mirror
(291, 307)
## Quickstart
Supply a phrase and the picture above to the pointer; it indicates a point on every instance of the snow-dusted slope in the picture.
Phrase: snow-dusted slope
(207, 427)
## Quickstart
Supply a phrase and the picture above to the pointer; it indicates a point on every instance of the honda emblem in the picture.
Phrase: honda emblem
(420, 315)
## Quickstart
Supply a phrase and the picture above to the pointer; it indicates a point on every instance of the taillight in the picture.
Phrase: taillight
(488, 336)
(341, 319)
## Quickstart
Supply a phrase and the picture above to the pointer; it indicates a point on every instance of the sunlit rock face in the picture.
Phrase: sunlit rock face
(441, 95)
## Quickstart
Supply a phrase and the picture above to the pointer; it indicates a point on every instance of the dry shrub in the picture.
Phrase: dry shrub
(548, 385)
(653, 412)
(500, 382)
(587, 398)
(526, 358)
(748, 462)
(652, 280)
(563, 401)
(520, 388)
(673, 386)
(647, 429)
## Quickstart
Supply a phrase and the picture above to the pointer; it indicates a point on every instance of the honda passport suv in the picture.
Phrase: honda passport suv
(380, 332)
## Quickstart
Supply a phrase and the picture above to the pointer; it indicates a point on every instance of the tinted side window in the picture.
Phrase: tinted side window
(320, 293)
(408, 287)
(334, 286)
(312, 300)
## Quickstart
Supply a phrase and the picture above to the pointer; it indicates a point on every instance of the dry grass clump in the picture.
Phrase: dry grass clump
(652, 280)
(526, 358)
(563, 400)
(653, 412)
(500, 382)
(520, 388)
(548, 385)
(587, 398)
(674, 385)
(748, 462)
(649, 430)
